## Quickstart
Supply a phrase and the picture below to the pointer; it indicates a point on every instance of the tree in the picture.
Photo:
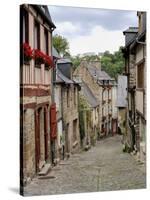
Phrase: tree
(61, 45)
(113, 64)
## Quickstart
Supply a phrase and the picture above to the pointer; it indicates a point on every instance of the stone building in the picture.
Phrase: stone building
(88, 116)
(66, 96)
(101, 84)
(135, 69)
(122, 109)
(37, 113)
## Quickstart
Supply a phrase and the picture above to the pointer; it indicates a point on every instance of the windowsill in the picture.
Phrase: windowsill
(140, 89)
(26, 62)
(47, 68)
(37, 65)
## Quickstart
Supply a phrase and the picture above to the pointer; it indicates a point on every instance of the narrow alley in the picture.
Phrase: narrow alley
(104, 167)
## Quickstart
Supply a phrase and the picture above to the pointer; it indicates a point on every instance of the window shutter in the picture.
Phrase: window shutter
(53, 122)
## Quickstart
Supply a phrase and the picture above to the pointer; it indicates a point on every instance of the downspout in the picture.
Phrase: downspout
(139, 42)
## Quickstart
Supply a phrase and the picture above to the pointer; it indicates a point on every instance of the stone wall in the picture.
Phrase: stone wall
(132, 71)
(70, 113)
(28, 145)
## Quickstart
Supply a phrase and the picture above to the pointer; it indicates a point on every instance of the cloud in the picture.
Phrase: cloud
(67, 29)
(92, 30)
(88, 18)
(99, 40)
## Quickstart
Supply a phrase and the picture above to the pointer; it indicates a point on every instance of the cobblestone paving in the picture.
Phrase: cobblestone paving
(103, 168)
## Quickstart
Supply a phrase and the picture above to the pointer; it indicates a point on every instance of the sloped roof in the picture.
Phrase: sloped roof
(64, 60)
(91, 99)
(60, 78)
(55, 53)
(45, 14)
(122, 91)
(98, 73)
(131, 30)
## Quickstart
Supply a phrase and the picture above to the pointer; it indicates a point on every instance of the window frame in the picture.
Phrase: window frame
(140, 76)
(37, 40)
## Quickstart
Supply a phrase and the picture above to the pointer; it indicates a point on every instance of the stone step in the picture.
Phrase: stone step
(44, 171)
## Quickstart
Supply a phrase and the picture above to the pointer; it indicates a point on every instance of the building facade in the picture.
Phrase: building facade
(122, 110)
(135, 69)
(37, 127)
(101, 84)
(66, 96)
(88, 116)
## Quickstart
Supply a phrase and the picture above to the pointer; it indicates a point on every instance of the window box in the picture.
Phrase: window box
(39, 57)
(27, 53)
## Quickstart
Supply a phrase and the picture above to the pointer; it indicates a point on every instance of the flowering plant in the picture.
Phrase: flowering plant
(27, 51)
(39, 56)
(48, 61)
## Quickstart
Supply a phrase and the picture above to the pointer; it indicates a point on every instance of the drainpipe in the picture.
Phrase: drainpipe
(139, 42)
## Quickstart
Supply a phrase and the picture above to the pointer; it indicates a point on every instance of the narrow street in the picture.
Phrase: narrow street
(103, 168)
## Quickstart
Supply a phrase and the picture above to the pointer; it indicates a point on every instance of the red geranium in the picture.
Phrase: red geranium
(48, 61)
(39, 56)
(27, 51)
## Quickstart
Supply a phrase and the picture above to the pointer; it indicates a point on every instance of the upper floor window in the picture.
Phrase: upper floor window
(46, 41)
(75, 97)
(36, 35)
(140, 76)
(24, 26)
(24, 33)
(68, 98)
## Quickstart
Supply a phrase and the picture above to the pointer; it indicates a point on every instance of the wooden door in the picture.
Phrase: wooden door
(37, 139)
(46, 132)
(67, 139)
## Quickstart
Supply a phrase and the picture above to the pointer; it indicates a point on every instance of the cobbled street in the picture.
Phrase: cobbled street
(103, 168)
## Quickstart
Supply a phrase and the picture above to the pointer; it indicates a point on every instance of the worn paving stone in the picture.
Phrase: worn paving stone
(102, 168)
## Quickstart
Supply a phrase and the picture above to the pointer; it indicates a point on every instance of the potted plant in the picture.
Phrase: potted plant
(39, 57)
(48, 61)
(27, 52)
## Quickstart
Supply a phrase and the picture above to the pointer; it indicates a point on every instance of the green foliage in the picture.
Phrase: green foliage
(61, 45)
(113, 64)
(83, 109)
(76, 61)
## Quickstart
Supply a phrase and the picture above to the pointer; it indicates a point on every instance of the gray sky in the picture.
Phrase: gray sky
(92, 30)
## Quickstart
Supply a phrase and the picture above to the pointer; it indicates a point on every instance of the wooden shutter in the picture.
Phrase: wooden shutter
(53, 122)
(46, 132)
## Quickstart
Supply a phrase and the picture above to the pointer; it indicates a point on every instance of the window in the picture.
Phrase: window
(46, 41)
(140, 76)
(36, 35)
(74, 130)
(68, 97)
(24, 33)
(75, 100)
(36, 39)
(24, 26)
(46, 44)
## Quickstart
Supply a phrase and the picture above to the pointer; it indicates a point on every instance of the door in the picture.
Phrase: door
(46, 132)
(53, 130)
(37, 139)
(67, 139)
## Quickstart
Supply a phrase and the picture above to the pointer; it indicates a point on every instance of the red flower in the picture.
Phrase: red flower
(27, 51)
(48, 61)
(38, 56)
